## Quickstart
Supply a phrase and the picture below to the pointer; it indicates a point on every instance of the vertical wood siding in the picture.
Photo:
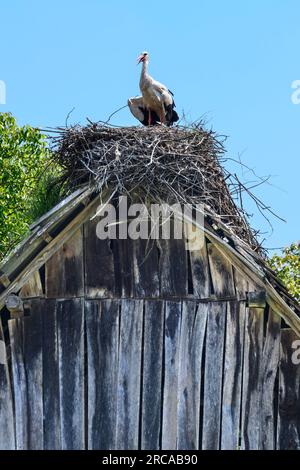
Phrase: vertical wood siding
(144, 344)
(7, 428)
(129, 374)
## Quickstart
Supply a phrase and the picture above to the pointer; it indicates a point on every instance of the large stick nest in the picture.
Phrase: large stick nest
(159, 163)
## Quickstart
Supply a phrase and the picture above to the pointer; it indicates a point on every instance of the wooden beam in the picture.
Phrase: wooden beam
(4, 280)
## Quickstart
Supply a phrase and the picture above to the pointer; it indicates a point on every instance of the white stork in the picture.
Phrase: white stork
(156, 103)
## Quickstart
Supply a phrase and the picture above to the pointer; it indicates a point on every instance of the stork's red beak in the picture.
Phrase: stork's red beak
(140, 59)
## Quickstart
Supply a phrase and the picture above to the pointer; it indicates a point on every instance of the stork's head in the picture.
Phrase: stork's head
(143, 57)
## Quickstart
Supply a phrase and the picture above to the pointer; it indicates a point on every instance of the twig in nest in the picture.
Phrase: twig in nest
(68, 115)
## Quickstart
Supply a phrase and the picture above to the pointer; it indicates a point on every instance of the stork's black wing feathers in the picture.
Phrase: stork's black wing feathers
(171, 92)
(154, 116)
(171, 115)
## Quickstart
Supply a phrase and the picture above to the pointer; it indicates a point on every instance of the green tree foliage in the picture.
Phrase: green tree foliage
(26, 176)
(287, 266)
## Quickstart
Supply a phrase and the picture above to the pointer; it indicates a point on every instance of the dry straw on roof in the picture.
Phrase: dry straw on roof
(176, 164)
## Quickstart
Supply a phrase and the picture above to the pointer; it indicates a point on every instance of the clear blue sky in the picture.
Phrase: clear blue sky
(232, 61)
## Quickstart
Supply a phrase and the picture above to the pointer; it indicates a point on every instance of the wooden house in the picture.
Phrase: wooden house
(107, 344)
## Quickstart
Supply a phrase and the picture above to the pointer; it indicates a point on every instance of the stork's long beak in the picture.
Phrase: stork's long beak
(140, 59)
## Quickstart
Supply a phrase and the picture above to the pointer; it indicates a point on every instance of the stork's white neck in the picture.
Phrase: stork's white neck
(145, 77)
(145, 68)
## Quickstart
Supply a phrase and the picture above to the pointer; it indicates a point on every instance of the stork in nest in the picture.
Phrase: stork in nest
(156, 105)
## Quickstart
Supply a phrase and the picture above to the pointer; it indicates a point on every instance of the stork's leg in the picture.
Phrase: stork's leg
(162, 114)
(149, 118)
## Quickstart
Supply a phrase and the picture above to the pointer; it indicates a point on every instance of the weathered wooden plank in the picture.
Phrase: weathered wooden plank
(199, 266)
(122, 247)
(71, 373)
(99, 263)
(288, 433)
(7, 431)
(52, 438)
(129, 374)
(173, 266)
(221, 272)
(171, 368)
(145, 265)
(102, 323)
(252, 384)
(212, 403)
(152, 374)
(241, 284)
(19, 383)
(269, 367)
(232, 375)
(64, 270)
(34, 375)
(123, 267)
(69, 202)
(192, 333)
(33, 287)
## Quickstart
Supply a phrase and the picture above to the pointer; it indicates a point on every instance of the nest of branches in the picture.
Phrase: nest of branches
(176, 164)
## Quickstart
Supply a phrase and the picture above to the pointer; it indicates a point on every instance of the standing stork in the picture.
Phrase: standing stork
(156, 103)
